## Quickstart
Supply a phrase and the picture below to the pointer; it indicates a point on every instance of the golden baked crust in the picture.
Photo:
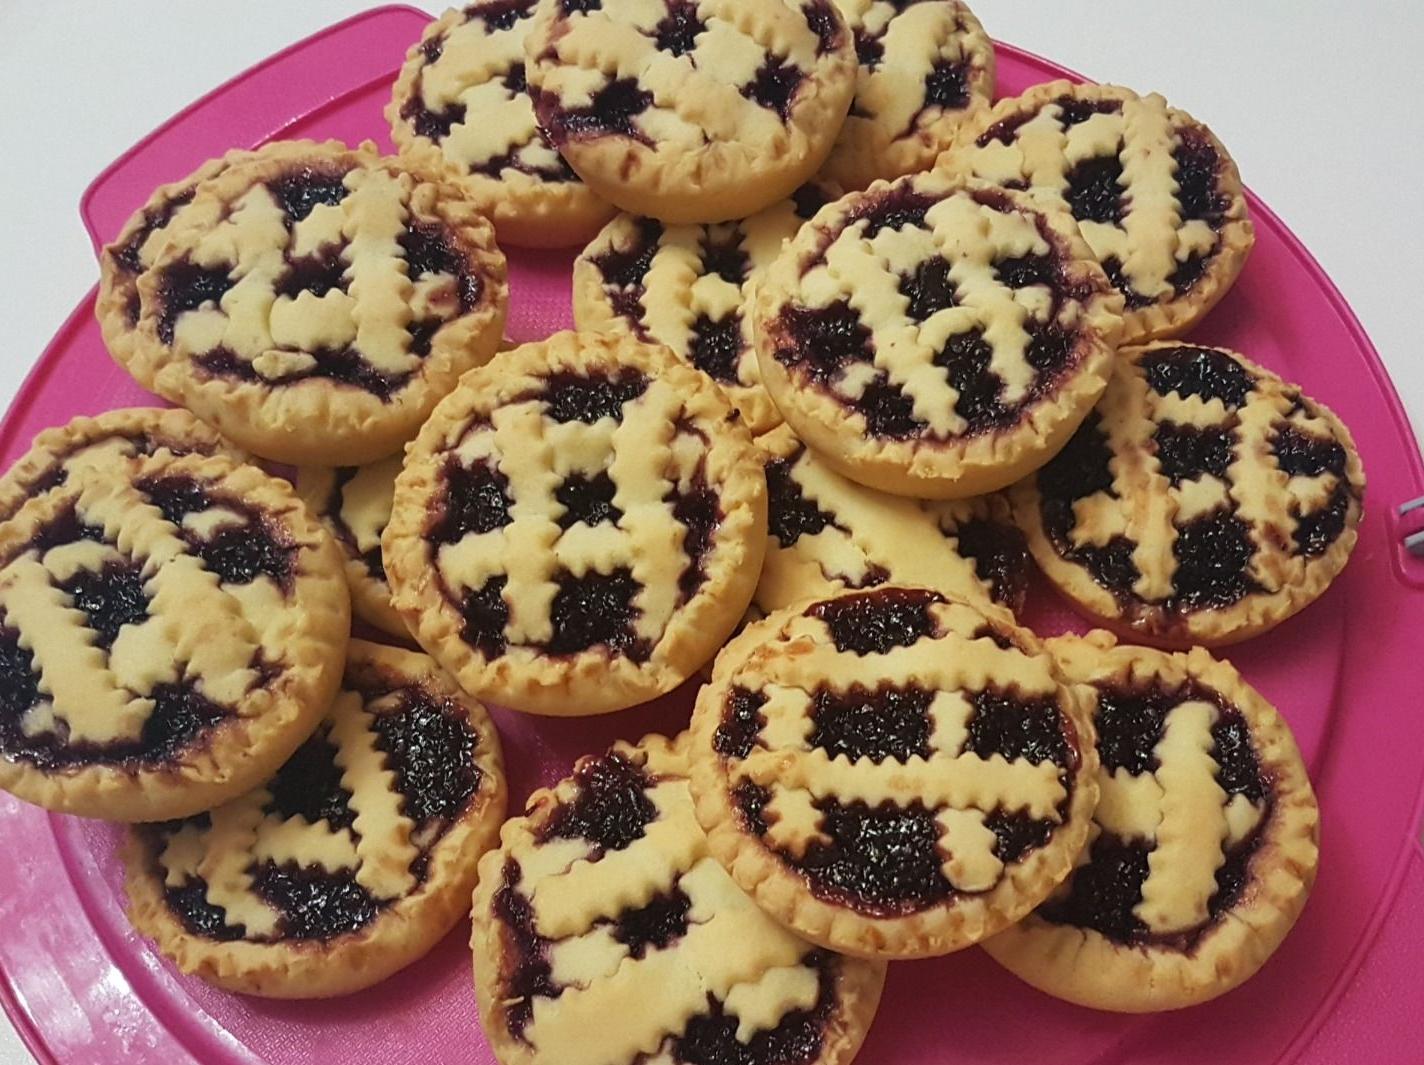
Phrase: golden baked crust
(282, 310)
(392, 861)
(689, 288)
(691, 113)
(1205, 500)
(579, 859)
(828, 534)
(85, 441)
(460, 100)
(354, 503)
(892, 773)
(925, 69)
(134, 250)
(1176, 236)
(606, 531)
(936, 338)
(1220, 803)
(180, 623)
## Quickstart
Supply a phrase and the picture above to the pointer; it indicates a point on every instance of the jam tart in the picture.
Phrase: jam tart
(691, 111)
(892, 773)
(925, 67)
(578, 527)
(1204, 846)
(1204, 501)
(605, 934)
(1156, 195)
(354, 503)
(936, 338)
(129, 432)
(828, 534)
(171, 629)
(689, 288)
(354, 859)
(461, 99)
(134, 250)
(317, 300)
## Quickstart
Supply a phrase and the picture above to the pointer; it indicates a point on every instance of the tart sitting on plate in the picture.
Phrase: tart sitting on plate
(1204, 501)
(352, 861)
(1203, 848)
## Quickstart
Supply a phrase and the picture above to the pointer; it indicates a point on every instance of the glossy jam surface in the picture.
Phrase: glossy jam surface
(1000, 556)
(237, 553)
(430, 746)
(1201, 372)
(790, 515)
(587, 500)
(610, 810)
(571, 397)
(774, 86)
(309, 785)
(610, 112)
(476, 500)
(874, 724)
(716, 347)
(596, 610)
(876, 621)
(880, 861)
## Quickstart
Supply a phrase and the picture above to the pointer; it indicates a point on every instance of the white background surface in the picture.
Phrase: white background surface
(1319, 103)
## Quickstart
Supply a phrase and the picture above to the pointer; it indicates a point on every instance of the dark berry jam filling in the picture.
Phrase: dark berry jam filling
(109, 599)
(1130, 725)
(1015, 727)
(571, 397)
(716, 347)
(485, 615)
(654, 925)
(318, 274)
(430, 746)
(790, 515)
(314, 904)
(499, 14)
(774, 86)
(1203, 372)
(1198, 179)
(1186, 452)
(129, 255)
(431, 248)
(824, 23)
(947, 85)
(628, 267)
(929, 289)
(885, 723)
(711, 1038)
(611, 809)
(742, 721)
(611, 112)
(1016, 834)
(882, 861)
(1213, 562)
(699, 511)
(596, 610)
(1238, 770)
(876, 622)
(309, 785)
(1095, 192)
(199, 916)
(822, 341)
(809, 199)
(1000, 556)
(185, 286)
(677, 33)
(526, 973)
(476, 500)
(238, 554)
(723, 256)
(344, 366)
(587, 500)
(303, 189)
(1316, 531)
(897, 208)
(1299, 454)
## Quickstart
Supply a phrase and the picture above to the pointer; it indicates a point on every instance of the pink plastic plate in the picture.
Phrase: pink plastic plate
(81, 986)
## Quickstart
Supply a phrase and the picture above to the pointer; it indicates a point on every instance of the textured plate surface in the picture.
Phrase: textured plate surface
(80, 985)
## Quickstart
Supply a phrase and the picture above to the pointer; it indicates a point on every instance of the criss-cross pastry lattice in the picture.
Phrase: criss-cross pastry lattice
(1204, 501)
(354, 503)
(603, 901)
(935, 338)
(829, 534)
(352, 860)
(1156, 195)
(891, 772)
(161, 611)
(687, 287)
(316, 301)
(691, 110)
(462, 97)
(1203, 847)
(924, 67)
(585, 507)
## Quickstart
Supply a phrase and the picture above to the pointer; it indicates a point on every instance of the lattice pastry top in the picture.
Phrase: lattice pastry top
(461, 98)
(130, 432)
(1158, 198)
(314, 301)
(691, 110)
(1204, 846)
(603, 902)
(689, 288)
(935, 338)
(170, 629)
(1205, 501)
(925, 67)
(892, 773)
(354, 503)
(829, 534)
(352, 861)
(579, 525)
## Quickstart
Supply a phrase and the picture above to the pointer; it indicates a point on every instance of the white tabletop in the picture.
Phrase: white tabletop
(1317, 101)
